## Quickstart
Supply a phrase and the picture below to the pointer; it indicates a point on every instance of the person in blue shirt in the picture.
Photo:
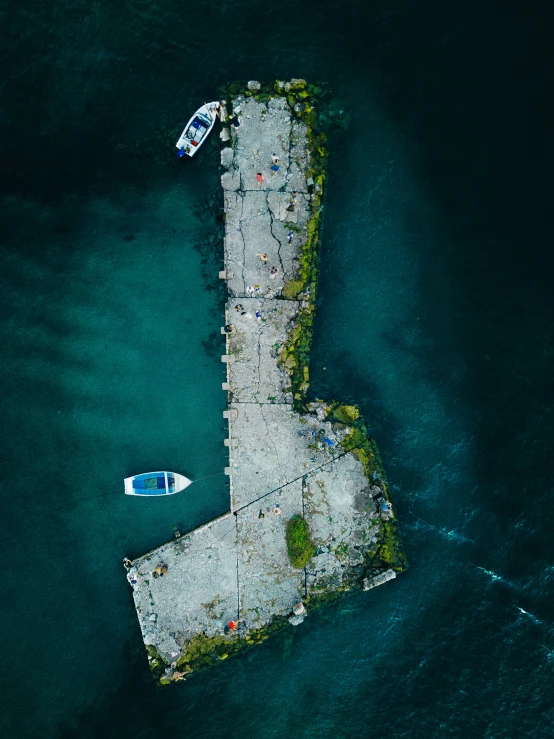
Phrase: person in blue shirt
(275, 164)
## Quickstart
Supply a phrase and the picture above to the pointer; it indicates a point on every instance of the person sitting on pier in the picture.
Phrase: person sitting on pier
(273, 272)
(228, 328)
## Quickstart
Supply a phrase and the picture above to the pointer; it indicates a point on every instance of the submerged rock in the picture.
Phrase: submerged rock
(296, 620)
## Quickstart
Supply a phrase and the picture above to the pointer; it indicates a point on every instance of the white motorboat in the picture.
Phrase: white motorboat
(197, 129)
(156, 483)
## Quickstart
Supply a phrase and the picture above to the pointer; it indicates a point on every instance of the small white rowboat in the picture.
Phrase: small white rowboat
(197, 129)
(156, 483)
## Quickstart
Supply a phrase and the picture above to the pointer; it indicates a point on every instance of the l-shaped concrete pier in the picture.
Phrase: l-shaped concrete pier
(282, 462)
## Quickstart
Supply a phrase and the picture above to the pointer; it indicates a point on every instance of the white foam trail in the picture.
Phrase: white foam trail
(491, 574)
(526, 613)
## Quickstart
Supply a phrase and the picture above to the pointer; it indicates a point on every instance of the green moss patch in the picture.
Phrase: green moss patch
(300, 546)
(389, 552)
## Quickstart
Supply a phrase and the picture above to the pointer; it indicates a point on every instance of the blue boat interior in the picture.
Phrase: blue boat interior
(153, 484)
(199, 123)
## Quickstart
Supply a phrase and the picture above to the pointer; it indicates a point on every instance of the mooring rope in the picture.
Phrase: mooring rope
(103, 495)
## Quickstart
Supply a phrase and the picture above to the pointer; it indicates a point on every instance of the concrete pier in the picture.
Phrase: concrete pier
(281, 462)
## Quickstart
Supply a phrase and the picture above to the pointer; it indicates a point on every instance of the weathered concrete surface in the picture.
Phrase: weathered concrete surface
(280, 463)
(269, 585)
(198, 594)
(342, 516)
(275, 447)
(259, 331)
(259, 215)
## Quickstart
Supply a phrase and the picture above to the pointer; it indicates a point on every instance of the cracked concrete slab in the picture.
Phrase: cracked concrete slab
(265, 131)
(261, 215)
(197, 594)
(275, 447)
(259, 331)
(343, 518)
(268, 584)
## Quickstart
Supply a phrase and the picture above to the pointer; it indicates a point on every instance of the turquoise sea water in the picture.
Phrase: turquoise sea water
(434, 313)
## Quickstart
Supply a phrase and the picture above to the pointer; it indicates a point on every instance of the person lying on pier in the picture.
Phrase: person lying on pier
(275, 164)
(263, 257)
(290, 237)
(238, 308)
(273, 272)
(259, 178)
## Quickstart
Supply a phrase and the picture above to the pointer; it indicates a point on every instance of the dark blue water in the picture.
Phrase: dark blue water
(435, 314)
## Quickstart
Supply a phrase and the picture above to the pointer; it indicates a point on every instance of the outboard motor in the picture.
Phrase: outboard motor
(181, 153)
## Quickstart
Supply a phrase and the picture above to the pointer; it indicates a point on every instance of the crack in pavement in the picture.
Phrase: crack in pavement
(271, 222)
(243, 244)
(290, 482)
(270, 437)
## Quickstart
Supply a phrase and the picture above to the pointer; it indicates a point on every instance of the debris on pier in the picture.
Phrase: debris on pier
(287, 457)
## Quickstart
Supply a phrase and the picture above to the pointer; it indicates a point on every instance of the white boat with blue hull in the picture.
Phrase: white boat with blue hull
(156, 483)
(197, 129)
